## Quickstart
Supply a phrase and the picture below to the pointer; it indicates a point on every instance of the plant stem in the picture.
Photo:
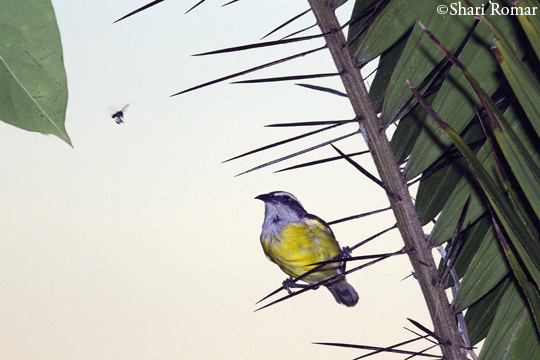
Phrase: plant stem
(409, 225)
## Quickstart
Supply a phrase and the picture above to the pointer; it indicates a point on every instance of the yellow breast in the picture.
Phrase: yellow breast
(297, 245)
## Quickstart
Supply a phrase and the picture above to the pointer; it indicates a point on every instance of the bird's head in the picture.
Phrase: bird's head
(281, 206)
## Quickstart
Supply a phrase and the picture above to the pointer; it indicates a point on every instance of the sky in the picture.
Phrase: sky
(139, 242)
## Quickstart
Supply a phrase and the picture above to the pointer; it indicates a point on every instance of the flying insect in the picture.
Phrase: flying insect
(119, 115)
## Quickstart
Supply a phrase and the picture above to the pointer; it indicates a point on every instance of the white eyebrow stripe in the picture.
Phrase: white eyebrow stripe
(284, 193)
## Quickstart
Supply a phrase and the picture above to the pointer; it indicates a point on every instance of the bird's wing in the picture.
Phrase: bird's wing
(320, 223)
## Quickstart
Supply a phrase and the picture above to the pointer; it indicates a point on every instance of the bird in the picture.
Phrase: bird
(293, 239)
(119, 115)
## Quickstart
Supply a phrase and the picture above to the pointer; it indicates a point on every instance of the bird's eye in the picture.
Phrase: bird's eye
(287, 199)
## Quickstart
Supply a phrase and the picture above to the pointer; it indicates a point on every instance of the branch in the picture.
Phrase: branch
(408, 223)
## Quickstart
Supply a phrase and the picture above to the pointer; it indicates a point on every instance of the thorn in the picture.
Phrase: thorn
(413, 274)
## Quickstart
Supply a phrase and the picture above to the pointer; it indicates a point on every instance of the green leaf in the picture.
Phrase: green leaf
(389, 26)
(476, 232)
(523, 167)
(361, 10)
(531, 292)
(527, 91)
(479, 317)
(525, 86)
(530, 22)
(526, 245)
(33, 85)
(421, 56)
(387, 64)
(456, 102)
(447, 221)
(487, 269)
(434, 191)
(512, 334)
(407, 132)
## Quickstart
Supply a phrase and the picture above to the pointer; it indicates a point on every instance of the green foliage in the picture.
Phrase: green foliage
(33, 85)
(485, 92)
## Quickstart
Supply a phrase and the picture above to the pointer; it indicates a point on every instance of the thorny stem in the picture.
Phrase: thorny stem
(409, 225)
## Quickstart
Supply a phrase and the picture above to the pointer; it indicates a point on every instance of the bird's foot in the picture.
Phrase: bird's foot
(344, 253)
(289, 283)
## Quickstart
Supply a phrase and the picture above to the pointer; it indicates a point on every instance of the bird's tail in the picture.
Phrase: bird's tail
(343, 292)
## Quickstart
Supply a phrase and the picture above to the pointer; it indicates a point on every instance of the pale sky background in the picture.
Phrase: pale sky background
(138, 243)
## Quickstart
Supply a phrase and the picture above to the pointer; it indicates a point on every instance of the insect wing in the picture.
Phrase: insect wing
(118, 116)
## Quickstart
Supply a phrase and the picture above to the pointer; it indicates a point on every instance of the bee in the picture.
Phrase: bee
(119, 115)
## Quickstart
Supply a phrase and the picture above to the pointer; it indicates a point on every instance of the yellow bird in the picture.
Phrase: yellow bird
(294, 239)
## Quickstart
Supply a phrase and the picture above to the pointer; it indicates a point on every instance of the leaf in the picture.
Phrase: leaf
(392, 23)
(527, 91)
(408, 130)
(387, 64)
(530, 22)
(421, 56)
(362, 15)
(435, 190)
(479, 317)
(525, 170)
(447, 220)
(456, 102)
(33, 85)
(525, 86)
(486, 270)
(524, 242)
(531, 292)
(512, 334)
(518, 233)
(476, 232)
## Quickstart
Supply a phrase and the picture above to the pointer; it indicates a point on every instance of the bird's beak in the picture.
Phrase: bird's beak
(264, 197)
